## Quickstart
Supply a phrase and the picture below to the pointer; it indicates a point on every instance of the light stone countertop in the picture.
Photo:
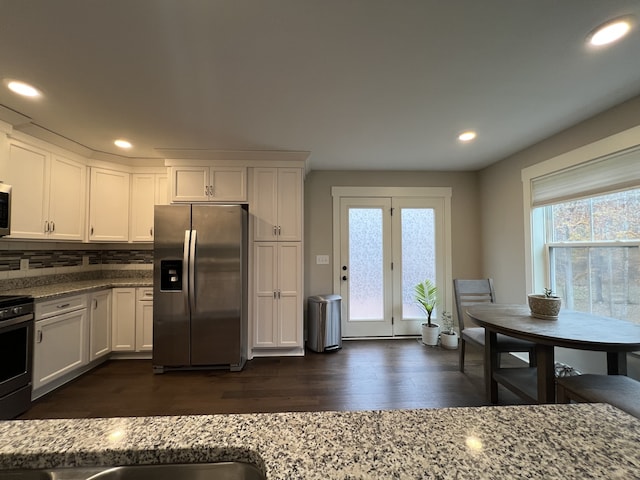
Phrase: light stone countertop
(577, 441)
(55, 290)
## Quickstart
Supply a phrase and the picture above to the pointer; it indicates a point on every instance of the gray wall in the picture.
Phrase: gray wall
(318, 221)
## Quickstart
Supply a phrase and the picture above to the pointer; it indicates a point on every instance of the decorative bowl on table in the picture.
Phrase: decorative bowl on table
(544, 307)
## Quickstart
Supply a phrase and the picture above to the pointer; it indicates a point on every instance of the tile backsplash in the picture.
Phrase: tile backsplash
(27, 264)
(13, 261)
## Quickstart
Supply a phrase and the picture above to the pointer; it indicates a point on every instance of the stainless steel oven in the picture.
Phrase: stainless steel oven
(5, 209)
(16, 354)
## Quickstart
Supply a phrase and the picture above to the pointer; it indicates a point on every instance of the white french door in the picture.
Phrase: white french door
(365, 271)
(387, 246)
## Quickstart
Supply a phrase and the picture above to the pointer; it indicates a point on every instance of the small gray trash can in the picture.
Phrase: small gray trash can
(323, 329)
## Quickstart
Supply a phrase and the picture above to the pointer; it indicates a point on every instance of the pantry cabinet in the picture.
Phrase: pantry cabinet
(48, 193)
(208, 184)
(278, 295)
(277, 204)
(109, 205)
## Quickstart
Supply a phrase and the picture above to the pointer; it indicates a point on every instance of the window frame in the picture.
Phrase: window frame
(537, 275)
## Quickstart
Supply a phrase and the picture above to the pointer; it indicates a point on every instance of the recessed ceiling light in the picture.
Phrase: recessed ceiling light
(122, 143)
(467, 136)
(23, 89)
(610, 32)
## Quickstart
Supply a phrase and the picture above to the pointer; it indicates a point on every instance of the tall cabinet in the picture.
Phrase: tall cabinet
(277, 215)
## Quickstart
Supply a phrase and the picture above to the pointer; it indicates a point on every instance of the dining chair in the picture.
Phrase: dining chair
(471, 292)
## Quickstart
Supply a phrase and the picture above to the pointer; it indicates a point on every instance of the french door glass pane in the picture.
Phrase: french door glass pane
(366, 286)
(418, 254)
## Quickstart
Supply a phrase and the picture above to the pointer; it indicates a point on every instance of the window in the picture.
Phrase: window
(583, 240)
(593, 247)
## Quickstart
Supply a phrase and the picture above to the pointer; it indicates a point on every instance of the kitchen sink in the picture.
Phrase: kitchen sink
(184, 471)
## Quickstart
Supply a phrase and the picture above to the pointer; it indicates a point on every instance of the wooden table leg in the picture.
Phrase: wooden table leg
(616, 363)
(491, 357)
(546, 374)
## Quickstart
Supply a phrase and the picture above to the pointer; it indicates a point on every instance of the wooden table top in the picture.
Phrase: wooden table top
(572, 329)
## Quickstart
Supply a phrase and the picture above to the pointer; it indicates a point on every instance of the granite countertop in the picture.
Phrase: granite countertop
(576, 441)
(55, 290)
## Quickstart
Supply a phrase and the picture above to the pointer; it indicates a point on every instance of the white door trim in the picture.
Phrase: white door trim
(444, 193)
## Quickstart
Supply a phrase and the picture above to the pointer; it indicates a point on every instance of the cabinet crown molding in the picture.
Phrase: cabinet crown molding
(248, 158)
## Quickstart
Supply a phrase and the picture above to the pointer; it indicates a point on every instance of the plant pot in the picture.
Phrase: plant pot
(449, 340)
(430, 334)
(546, 308)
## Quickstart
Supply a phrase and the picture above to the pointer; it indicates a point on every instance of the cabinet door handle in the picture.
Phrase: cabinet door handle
(278, 294)
(279, 230)
(91, 231)
(95, 303)
(39, 336)
(64, 305)
(46, 227)
(211, 190)
(275, 294)
(53, 226)
(275, 230)
(206, 191)
(151, 232)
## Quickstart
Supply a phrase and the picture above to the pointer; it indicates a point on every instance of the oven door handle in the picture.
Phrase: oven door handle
(16, 320)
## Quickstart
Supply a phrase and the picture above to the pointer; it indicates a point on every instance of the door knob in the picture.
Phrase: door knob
(344, 267)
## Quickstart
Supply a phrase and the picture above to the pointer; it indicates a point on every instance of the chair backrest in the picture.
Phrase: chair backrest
(469, 292)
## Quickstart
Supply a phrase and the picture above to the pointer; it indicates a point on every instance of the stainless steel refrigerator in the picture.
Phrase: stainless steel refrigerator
(199, 287)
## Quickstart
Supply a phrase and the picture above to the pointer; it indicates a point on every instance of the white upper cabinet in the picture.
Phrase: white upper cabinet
(208, 184)
(48, 196)
(142, 201)
(109, 205)
(277, 204)
(67, 199)
(161, 193)
(147, 190)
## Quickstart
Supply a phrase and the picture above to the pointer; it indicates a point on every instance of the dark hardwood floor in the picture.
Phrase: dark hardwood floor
(364, 375)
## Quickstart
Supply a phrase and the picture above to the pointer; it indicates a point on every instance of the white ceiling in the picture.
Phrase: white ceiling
(361, 84)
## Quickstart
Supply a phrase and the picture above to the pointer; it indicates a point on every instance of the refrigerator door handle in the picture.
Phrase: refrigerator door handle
(192, 270)
(185, 268)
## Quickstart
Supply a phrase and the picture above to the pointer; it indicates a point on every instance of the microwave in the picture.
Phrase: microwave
(5, 209)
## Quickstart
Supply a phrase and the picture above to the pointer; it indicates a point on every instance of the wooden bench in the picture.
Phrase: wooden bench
(617, 390)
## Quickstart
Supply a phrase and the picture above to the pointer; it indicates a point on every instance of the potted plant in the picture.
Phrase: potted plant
(448, 337)
(426, 295)
(545, 306)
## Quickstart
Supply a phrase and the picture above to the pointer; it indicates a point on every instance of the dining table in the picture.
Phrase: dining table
(572, 329)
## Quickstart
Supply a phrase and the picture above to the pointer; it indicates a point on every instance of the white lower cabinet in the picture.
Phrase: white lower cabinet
(144, 319)
(99, 324)
(132, 319)
(60, 339)
(278, 295)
